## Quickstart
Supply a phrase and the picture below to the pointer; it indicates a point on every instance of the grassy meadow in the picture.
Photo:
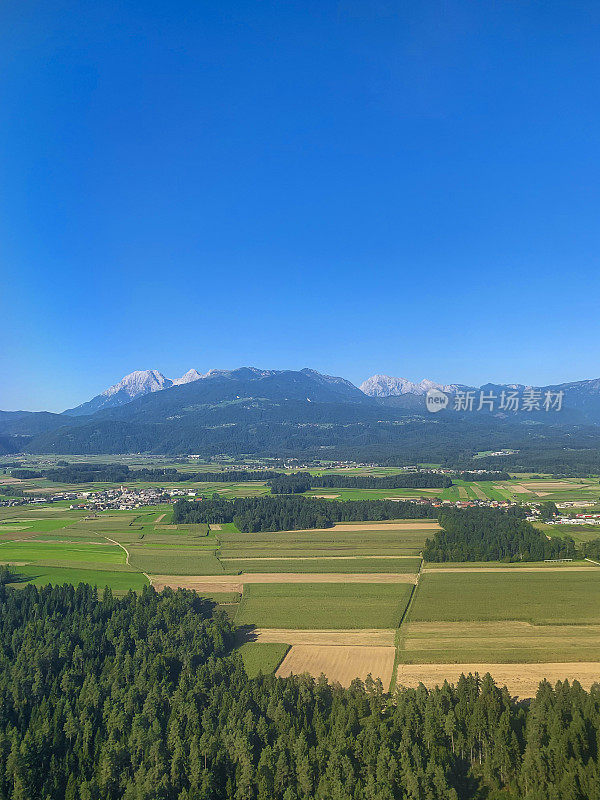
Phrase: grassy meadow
(262, 657)
(544, 598)
(323, 606)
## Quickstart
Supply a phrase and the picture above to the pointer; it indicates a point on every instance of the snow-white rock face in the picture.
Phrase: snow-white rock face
(388, 386)
(136, 384)
(139, 382)
(190, 376)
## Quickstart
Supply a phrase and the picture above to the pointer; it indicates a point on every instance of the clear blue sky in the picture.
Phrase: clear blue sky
(358, 186)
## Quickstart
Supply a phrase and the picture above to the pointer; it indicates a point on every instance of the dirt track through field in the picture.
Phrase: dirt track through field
(235, 583)
(370, 637)
(520, 679)
(339, 663)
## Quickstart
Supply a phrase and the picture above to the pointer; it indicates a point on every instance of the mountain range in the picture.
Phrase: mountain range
(143, 382)
(286, 412)
(387, 386)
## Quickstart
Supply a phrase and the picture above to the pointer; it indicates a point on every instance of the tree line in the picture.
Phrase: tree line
(141, 698)
(489, 534)
(253, 514)
(121, 473)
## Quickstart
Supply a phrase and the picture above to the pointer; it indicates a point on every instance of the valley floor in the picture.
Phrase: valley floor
(347, 601)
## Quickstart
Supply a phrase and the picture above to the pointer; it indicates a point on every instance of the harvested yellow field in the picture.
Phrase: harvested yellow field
(341, 664)
(202, 585)
(521, 680)
(416, 525)
(235, 583)
(481, 495)
(371, 637)
(325, 496)
(517, 488)
(462, 493)
(553, 485)
(514, 570)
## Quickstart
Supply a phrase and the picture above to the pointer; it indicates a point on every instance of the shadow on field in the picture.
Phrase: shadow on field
(244, 634)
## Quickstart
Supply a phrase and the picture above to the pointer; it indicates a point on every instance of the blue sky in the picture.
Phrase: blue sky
(358, 187)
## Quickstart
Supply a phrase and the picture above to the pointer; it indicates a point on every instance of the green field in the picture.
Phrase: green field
(34, 525)
(327, 605)
(42, 552)
(262, 657)
(120, 581)
(175, 561)
(496, 642)
(316, 565)
(545, 598)
(331, 542)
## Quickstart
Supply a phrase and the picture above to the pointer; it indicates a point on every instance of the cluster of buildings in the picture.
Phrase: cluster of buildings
(122, 498)
(125, 498)
(21, 501)
(578, 519)
(437, 503)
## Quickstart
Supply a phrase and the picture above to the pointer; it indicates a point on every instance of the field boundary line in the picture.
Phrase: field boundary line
(413, 591)
(127, 557)
(591, 560)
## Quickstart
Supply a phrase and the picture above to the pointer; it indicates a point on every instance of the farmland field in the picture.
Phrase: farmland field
(547, 598)
(521, 680)
(497, 642)
(325, 564)
(367, 637)
(335, 595)
(60, 552)
(357, 540)
(119, 582)
(340, 664)
(176, 560)
(305, 605)
(259, 657)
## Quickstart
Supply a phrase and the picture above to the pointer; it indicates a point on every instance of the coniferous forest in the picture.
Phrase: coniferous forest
(299, 482)
(252, 514)
(489, 534)
(140, 698)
